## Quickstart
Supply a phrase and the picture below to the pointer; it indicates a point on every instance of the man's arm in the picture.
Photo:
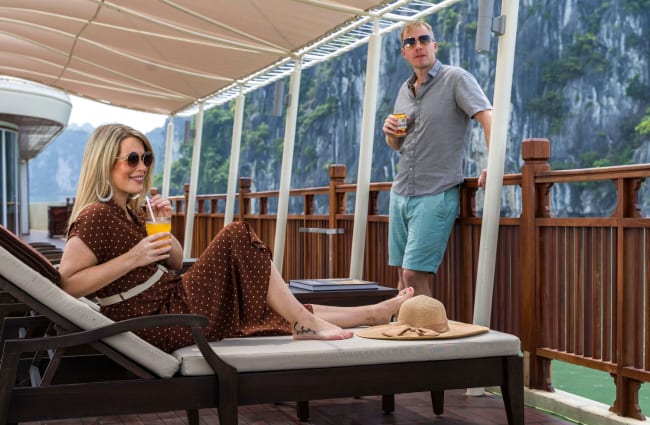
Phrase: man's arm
(485, 119)
(394, 141)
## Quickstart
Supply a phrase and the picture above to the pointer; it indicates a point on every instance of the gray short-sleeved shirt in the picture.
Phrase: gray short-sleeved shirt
(431, 156)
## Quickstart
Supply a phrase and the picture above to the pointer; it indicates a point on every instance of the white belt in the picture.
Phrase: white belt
(138, 289)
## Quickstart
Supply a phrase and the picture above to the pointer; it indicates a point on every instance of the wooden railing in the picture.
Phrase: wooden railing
(587, 278)
(573, 289)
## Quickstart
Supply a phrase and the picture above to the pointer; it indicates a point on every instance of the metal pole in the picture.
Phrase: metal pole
(496, 157)
(235, 151)
(4, 181)
(194, 178)
(287, 165)
(167, 169)
(365, 153)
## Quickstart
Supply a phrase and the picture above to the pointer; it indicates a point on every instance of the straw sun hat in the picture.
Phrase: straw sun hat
(422, 317)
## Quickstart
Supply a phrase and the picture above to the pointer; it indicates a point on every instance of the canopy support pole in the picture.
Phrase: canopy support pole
(167, 168)
(287, 165)
(496, 159)
(194, 178)
(235, 151)
(365, 153)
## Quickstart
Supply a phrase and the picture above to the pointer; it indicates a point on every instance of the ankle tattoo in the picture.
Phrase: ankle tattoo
(302, 330)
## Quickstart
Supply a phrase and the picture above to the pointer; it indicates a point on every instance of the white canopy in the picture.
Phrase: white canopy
(164, 56)
(172, 56)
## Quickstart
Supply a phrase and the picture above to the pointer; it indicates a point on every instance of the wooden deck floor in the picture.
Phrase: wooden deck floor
(410, 409)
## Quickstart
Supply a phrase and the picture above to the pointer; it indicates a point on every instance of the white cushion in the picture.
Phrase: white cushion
(83, 315)
(254, 353)
(283, 352)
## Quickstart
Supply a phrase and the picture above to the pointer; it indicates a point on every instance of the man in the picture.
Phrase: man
(439, 101)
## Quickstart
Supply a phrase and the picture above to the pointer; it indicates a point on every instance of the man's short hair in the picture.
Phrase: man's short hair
(409, 26)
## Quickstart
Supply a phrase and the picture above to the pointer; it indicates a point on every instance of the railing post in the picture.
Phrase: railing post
(186, 195)
(535, 203)
(630, 200)
(337, 173)
(244, 202)
(308, 205)
(629, 289)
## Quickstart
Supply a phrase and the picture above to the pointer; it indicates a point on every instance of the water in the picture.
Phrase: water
(592, 384)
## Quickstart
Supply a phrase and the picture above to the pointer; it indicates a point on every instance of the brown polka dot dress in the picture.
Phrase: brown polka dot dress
(227, 284)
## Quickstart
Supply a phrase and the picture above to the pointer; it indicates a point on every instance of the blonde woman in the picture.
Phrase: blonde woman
(233, 283)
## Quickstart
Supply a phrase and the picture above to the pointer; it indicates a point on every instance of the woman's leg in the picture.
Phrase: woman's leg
(370, 315)
(326, 322)
(304, 324)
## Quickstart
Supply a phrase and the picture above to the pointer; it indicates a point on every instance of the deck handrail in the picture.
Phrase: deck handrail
(587, 278)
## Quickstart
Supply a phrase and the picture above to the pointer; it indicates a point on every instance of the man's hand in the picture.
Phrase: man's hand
(390, 128)
(390, 125)
(482, 178)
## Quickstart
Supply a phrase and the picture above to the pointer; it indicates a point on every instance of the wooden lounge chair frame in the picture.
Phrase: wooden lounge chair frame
(108, 383)
(75, 372)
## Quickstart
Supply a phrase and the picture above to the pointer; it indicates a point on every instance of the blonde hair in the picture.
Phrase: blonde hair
(411, 25)
(98, 160)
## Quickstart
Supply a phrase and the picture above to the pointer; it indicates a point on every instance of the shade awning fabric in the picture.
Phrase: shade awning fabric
(168, 56)
(160, 56)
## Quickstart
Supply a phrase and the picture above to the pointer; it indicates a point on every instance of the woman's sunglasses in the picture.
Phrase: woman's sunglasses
(409, 43)
(133, 159)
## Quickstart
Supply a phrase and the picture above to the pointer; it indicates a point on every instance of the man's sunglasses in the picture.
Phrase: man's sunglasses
(409, 43)
(133, 159)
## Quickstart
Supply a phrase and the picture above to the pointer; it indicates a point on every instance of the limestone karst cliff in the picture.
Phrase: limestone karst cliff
(581, 79)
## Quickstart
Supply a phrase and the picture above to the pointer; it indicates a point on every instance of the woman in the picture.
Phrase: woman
(234, 283)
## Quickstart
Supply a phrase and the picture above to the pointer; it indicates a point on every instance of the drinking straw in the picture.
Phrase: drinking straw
(153, 218)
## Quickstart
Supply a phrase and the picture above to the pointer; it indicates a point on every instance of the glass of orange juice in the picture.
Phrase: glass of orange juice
(158, 224)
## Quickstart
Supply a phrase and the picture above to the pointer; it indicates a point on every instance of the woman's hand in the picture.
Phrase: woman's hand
(161, 207)
(174, 258)
(151, 249)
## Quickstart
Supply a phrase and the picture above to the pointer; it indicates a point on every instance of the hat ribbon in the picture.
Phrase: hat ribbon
(409, 331)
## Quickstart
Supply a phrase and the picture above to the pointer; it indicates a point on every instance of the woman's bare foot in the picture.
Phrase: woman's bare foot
(315, 328)
(385, 310)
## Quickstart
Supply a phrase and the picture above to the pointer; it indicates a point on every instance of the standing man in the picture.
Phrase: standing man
(439, 102)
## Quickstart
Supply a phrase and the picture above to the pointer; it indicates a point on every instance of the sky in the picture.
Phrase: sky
(97, 113)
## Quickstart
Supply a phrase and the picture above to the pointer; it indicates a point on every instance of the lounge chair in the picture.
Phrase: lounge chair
(95, 367)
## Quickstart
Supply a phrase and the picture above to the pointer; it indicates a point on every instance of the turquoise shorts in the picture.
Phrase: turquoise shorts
(419, 228)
